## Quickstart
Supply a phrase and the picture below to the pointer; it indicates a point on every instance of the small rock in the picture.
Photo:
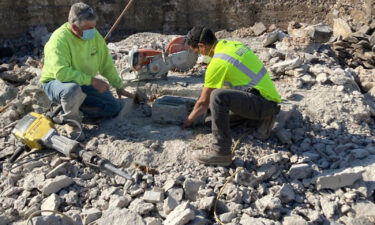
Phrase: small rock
(300, 171)
(181, 215)
(286, 193)
(227, 217)
(191, 187)
(153, 196)
(169, 205)
(56, 184)
(51, 203)
(328, 207)
(359, 153)
(259, 28)
(90, 215)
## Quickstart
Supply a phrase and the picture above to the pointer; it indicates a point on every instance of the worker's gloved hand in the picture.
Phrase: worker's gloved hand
(140, 97)
(99, 85)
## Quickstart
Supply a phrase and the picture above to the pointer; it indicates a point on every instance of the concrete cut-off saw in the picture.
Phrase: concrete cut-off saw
(147, 64)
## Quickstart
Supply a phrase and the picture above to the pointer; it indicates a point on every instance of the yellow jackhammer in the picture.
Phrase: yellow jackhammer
(37, 131)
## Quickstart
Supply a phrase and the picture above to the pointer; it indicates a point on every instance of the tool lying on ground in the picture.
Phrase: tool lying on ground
(36, 131)
(150, 64)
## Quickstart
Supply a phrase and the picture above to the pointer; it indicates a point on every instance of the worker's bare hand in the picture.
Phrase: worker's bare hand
(100, 85)
(122, 92)
(187, 123)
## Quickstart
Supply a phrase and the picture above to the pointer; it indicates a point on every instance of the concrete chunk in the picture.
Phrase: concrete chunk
(153, 196)
(338, 180)
(51, 203)
(90, 215)
(181, 215)
(118, 217)
(56, 184)
(247, 220)
(341, 28)
(286, 193)
(169, 204)
(364, 208)
(300, 171)
(259, 28)
(320, 33)
(191, 187)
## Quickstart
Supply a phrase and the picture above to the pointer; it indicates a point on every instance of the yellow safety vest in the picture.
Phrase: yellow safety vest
(235, 63)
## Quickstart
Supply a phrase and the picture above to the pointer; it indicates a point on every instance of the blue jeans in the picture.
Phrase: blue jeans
(95, 105)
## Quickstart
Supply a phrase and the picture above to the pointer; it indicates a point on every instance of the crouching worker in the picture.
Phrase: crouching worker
(251, 93)
(73, 56)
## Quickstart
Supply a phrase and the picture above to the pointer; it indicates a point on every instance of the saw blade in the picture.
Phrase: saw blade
(190, 61)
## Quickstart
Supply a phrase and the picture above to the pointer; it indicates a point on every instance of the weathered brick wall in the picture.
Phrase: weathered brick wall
(18, 16)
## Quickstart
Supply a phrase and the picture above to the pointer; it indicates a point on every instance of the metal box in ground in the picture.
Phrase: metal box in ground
(173, 110)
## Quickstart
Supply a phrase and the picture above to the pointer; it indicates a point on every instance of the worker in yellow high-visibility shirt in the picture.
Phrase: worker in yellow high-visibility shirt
(251, 93)
(73, 56)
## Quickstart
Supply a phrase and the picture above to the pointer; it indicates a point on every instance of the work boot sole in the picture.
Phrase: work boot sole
(214, 160)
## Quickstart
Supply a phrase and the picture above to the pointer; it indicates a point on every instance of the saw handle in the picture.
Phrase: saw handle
(17, 154)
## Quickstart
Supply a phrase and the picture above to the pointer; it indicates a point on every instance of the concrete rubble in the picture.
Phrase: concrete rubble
(316, 168)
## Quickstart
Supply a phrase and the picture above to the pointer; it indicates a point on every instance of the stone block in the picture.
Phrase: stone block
(173, 110)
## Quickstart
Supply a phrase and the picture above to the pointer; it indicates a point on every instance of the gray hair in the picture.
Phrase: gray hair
(81, 12)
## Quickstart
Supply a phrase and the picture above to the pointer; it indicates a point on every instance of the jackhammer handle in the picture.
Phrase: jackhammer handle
(17, 153)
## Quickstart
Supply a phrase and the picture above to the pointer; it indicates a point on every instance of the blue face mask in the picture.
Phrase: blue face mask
(88, 34)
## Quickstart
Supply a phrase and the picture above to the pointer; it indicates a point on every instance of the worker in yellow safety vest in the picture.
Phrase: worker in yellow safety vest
(252, 94)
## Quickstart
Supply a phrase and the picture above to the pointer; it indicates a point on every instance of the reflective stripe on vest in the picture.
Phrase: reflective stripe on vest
(255, 78)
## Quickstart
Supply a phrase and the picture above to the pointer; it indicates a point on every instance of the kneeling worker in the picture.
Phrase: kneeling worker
(73, 56)
(252, 94)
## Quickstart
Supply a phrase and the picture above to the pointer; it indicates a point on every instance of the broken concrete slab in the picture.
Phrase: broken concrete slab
(173, 110)
(281, 67)
(169, 205)
(338, 179)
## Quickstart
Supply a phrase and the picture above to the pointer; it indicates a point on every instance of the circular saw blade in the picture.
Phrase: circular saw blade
(190, 62)
(179, 44)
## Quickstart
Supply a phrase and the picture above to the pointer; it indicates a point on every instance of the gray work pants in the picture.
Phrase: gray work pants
(249, 105)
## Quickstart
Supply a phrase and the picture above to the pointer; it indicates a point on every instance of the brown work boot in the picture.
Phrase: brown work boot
(211, 157)
(74, 133)
(263, 132)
